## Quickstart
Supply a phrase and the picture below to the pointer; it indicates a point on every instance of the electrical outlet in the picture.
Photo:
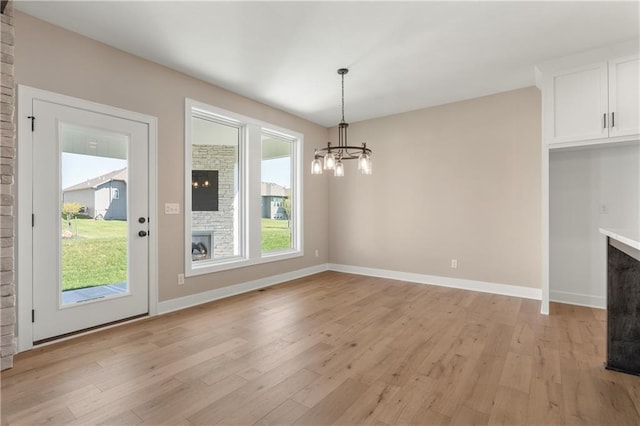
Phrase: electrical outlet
(454, 263)
(317, 253)
(180, 279)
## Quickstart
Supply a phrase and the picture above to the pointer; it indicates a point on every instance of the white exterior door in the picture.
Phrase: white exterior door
(90, 208)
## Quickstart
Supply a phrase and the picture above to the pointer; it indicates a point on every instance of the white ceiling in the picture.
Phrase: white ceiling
(402, 55)
(83, 140)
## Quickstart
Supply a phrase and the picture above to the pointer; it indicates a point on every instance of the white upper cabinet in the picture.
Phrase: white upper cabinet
(588, 101)
(579, 104)
(624, 96)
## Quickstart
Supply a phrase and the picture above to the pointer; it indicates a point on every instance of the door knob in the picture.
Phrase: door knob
(142, 233)
(141, 220)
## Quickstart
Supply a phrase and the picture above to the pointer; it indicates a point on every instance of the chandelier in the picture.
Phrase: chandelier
(200, 180)
(332, 156)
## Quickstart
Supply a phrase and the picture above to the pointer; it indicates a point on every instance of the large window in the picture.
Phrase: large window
(242, 192)
(275, 191)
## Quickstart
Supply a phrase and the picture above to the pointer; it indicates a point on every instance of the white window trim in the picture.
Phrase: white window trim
(249, 180)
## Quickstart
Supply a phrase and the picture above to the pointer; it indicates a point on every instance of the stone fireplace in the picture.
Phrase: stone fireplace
(201, 245)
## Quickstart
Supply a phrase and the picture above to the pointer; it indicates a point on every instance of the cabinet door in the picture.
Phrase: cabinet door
(624, 96)
(579, 104)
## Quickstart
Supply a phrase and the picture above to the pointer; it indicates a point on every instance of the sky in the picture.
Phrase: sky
(77, 168)
(277, 171)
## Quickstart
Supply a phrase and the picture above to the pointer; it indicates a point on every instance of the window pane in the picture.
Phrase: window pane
(276, 194)
(94, 216)
(215, 190)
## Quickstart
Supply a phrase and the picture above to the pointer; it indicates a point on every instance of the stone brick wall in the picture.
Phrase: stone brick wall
(222, 158)
(7, 163)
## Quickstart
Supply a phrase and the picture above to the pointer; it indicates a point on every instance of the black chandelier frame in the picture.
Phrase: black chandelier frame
(342, 151)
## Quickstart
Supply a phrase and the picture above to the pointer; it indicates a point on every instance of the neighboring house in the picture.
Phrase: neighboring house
(273, 199)
(103, 197)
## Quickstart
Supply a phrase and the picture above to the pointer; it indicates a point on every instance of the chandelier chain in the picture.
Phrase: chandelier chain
(343, 98)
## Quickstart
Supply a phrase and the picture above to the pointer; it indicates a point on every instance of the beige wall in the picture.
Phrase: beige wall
(455, 181)
(50, 58)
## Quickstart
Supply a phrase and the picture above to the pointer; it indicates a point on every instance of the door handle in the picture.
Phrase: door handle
(142, 233)
(141, 220)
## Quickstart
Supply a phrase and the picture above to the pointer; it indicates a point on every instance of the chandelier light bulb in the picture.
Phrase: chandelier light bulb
(362, 161)
(367, 167)
(316, 167)
(339, 171)
(329, 161)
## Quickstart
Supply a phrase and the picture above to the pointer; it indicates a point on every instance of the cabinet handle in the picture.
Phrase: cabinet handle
(613, 119)
(604, 120)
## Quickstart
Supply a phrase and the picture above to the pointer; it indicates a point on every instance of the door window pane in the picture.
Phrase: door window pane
(93, 213)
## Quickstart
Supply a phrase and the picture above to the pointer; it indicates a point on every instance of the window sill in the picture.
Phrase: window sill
(218, 266)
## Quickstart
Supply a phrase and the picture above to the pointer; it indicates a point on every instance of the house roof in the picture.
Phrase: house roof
(273, 190)
(116, 175)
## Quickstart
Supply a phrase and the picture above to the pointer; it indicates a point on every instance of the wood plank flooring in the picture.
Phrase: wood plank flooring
(332, 349)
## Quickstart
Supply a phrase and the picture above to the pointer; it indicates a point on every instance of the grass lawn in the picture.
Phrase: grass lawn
(96, 255)
(276, 234)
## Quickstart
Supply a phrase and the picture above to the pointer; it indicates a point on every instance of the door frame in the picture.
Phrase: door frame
(24, 204)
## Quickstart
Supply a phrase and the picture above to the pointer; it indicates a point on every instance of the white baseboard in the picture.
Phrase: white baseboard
(221, 293)
(481, 286)
(587, 300)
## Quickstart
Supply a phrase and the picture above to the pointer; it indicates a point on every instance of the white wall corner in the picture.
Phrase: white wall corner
(538, 77)
(587, 300)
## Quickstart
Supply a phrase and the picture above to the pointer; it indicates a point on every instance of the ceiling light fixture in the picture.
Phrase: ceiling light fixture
(332, 156)
(199, 180)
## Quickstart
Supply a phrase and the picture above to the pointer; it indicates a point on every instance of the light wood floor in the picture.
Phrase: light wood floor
(333, 348)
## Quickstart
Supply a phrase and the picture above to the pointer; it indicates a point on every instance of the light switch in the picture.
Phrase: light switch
(171, 208)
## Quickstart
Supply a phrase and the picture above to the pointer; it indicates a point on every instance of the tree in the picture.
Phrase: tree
(287, 210)
(71, 210)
